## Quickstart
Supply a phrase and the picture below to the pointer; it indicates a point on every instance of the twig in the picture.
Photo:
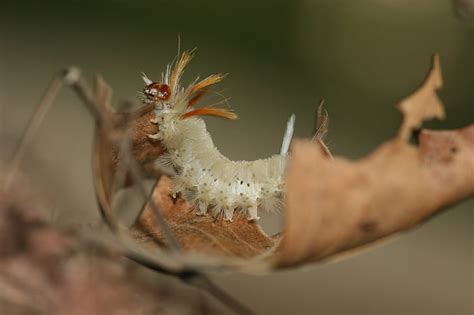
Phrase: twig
(101, 113)
(35, 121)
(203, 282)
(135, 171)
(200, 281)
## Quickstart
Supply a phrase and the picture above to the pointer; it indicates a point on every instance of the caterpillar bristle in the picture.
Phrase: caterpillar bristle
(211, 111)
(196, 98)
(210, 80)
(183, 61)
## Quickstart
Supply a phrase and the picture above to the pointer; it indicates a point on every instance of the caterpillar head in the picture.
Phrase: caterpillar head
(176, 102)
(155, 91)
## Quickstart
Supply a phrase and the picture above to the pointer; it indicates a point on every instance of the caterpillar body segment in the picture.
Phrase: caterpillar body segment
(208, 180)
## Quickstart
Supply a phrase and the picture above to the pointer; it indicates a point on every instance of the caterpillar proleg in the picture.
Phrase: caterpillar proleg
(208, 180)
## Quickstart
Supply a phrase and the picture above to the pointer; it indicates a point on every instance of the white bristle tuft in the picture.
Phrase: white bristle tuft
(290, 125)
(145, 79)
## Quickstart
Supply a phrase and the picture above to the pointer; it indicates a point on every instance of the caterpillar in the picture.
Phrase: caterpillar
(206, 179)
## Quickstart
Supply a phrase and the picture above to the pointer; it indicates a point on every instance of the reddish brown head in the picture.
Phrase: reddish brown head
(156, 91)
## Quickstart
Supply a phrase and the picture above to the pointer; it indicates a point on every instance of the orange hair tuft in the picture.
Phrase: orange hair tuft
(179, 68)
(211, 111)
(210, 80)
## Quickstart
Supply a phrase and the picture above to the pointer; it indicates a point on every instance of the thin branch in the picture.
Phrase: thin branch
(145, 204)
(120, 175)
(203, 282)
(135, 171)
(200, 281)
(35, 121)
(101, 113)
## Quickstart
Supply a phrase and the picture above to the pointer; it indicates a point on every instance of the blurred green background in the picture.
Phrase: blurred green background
(282, 57)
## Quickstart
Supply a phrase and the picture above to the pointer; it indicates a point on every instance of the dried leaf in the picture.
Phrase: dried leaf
(106, 153)
(103, 92)
(144, 149)
(105, 164)
(203, 234)
(337, 205)
(424, 103)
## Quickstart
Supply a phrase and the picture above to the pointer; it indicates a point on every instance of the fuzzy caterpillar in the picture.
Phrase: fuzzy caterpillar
(209, 181)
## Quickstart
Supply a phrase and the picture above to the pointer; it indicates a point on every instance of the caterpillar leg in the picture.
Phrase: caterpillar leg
(201, 208)
(154, 120)
(155, 136)
(228, 214)
(252, 213)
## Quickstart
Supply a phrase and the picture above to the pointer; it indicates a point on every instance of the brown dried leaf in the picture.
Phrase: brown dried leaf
(105, 163)
(106, 153)
(424, 103)
(203, 234)
(144, 149)
(337, 205)
(103, 92)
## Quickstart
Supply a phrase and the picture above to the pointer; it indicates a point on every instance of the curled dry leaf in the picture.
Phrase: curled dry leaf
(333, 205)
(204, 234)
(145, 150)
(423, 104)
(337, 205)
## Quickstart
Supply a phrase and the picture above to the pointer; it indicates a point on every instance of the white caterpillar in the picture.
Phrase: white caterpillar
(208, 180)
